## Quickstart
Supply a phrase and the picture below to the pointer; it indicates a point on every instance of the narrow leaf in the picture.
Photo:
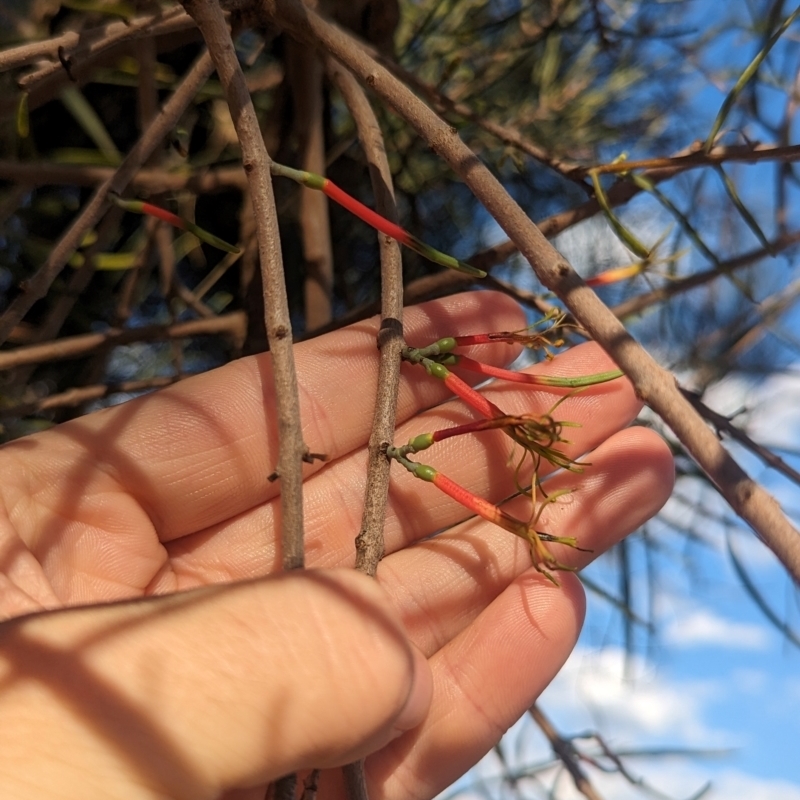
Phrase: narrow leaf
(83, 113)
(745, 77)
(140, 207)
(623, 234)
(373, 219)
(749, 219)
(648, 186)
(23, 118)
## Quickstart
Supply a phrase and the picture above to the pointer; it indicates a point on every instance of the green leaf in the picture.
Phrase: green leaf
(749, 219)
(648, 186)
(23, 118)
(624, 235)
(92, 125)
(744, 79)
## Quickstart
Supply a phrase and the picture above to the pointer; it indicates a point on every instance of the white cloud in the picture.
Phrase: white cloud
(705, 629)
(736, 785)
(772, 414)
(593, 691)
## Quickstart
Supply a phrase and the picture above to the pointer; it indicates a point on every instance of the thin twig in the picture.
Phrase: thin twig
(83, 394)
(291, 448)
(696, 158)
(636, 305)
(723, 423)
(566, 752)
(233, 325)
(150, 181)
(36, 287)
(443, 103)
(369, 543)
(46, 84)
(89, 41)
(654, 385)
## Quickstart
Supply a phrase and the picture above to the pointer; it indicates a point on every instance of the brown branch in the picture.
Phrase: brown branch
(149, 181)
(623, 191)
(233, 325)
(566, 753)
(722, 423)
(369, 542)
(443, 103)
(36, 287)
(65, 301)
(304, 75)
(83, 394)
(655, 385)
(90, 41)
(291, 449)
(46, 84)
(696, 158)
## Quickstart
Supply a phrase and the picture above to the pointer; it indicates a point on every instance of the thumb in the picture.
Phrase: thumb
(213, 689)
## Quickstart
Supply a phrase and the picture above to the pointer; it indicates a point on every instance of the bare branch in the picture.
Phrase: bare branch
(723, 423)
(152, 181)
(211, 21)
(442, 103)
(83, 394)
(45, 84)
(233, 325)
(92, 40)
(635, 305)
(369, 544)
(566, 752)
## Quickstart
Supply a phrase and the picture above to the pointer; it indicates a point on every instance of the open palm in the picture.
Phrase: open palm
(225, 688)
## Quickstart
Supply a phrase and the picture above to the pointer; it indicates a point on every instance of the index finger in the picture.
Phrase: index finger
(200, 451)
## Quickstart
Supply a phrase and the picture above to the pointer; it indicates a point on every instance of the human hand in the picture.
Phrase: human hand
(219, 690)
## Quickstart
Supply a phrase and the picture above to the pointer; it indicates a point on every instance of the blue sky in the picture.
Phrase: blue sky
(716, 678)
(715, 675)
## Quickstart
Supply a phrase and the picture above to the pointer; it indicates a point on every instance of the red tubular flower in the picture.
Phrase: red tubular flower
(543, 559)
(141, 207)
(537, 380)
(372, 218)
(615, 275)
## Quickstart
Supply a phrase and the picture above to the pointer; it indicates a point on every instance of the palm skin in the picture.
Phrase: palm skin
(217, 691)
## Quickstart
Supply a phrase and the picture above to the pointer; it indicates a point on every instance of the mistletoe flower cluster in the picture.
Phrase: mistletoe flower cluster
(539, 435)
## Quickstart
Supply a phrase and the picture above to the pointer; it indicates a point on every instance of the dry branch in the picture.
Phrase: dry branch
(369, 542)
(291, 449)
(92, 40)
(83, 394)
(148, 181)
(566, 753)
(233, 325)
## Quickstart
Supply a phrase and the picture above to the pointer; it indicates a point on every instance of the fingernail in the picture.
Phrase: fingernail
(419, 698)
